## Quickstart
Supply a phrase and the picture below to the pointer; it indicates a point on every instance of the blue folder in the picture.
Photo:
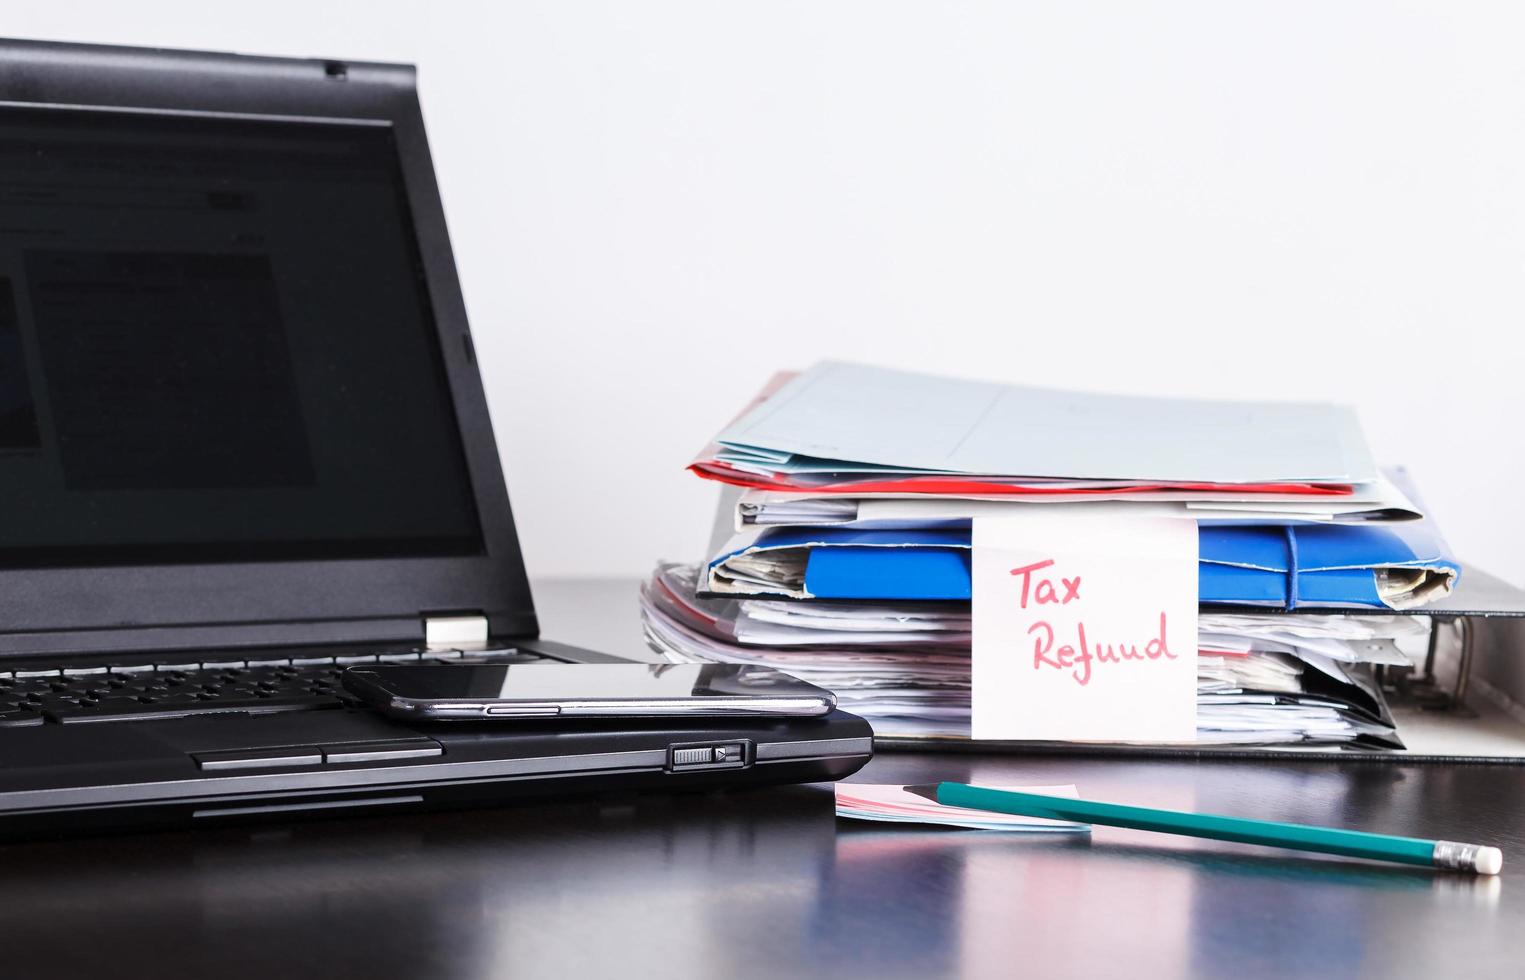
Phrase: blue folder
(1286, 567)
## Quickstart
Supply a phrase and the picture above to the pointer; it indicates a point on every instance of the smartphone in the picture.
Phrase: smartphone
(457, 692)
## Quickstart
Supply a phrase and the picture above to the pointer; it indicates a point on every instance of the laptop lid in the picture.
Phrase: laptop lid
(238, 396)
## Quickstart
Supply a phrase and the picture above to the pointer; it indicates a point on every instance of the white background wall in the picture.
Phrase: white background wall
(656, 205)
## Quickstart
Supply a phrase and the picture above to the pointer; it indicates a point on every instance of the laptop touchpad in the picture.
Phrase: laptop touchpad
(224, 733)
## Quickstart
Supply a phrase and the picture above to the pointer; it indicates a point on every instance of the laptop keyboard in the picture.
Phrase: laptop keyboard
(123, 691)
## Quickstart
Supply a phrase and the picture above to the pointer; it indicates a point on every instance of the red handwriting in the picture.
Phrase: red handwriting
(1044, 594)
(1078, 657)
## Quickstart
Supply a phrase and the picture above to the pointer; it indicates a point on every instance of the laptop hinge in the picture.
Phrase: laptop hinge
(459, 631)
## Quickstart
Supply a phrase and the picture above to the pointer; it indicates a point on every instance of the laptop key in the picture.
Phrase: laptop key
(84, 671)
(118, 702)
(55, 700)
(19, 719)
(137, 711)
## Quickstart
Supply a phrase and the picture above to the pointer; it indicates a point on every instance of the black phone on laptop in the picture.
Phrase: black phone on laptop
(229, 318)
(519, 692)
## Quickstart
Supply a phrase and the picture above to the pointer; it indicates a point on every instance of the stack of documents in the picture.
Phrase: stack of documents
(846, 552)
(1261, 680)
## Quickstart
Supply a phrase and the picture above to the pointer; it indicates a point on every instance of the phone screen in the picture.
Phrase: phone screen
(580, 682)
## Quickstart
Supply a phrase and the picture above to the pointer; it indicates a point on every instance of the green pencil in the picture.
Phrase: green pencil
(1327, 840)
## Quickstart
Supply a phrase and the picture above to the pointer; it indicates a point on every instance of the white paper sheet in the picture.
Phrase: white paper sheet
(1085, 629)
(1381, 500)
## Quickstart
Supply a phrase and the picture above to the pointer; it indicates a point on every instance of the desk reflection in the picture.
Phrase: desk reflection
(677, 886)
(770, 883)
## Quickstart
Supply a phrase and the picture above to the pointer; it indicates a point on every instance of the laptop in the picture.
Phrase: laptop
(244, 446)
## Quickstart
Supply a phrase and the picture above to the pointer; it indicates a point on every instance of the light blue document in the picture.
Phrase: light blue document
(847, 418)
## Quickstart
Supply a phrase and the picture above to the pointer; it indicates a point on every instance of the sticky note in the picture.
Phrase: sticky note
(1085, 628)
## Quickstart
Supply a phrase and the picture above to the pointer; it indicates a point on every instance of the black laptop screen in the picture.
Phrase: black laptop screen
(216, 345)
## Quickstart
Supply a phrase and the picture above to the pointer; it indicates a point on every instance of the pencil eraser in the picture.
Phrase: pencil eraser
(1490, 860)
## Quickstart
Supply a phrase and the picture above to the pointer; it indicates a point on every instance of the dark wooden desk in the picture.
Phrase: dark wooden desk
(770, 884)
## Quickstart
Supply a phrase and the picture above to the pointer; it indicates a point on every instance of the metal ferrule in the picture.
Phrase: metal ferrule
(1455, 856)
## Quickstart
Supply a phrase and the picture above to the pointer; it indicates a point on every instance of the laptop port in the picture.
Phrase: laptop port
(707, 755)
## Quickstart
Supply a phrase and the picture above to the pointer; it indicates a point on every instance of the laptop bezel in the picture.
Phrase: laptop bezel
(86, 609)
